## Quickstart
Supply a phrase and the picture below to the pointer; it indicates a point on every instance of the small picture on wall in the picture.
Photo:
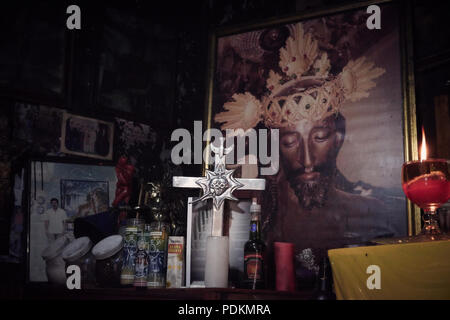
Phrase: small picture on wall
(87, 137)
(81, 198)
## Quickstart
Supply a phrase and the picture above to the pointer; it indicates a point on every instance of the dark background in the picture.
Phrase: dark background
(146, 61)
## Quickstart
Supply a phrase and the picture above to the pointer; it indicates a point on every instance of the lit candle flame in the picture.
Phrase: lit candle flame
(423, 147)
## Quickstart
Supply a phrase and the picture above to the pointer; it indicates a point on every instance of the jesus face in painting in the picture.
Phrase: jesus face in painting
(308, 156)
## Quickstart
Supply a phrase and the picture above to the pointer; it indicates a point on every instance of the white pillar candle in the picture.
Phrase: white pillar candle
(216, 269)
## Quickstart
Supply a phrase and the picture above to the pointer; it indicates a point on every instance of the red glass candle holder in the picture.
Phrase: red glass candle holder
(427, 184)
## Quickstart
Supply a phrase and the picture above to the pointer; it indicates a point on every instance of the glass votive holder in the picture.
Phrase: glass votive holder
(78, 252)
(108, 264)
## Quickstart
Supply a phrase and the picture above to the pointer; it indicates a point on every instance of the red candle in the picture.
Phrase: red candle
(427, 190)
(284, 264)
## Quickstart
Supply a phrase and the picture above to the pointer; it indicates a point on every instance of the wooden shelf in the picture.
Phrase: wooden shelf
(43, 291)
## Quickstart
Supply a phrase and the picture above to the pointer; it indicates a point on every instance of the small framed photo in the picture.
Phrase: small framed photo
(87, 137)
(58, 192)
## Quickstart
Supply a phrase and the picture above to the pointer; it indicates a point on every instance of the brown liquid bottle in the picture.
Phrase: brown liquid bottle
(254, 252)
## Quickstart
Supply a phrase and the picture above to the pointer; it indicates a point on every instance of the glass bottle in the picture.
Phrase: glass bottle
(78, 252)
(125, 213)
(254, 251)
(134, 226)
(159, 235)
(325, 290)
(142, 258)
(108, 264)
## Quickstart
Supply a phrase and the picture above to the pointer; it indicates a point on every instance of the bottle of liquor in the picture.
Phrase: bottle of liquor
(254, 251)
(325, 285)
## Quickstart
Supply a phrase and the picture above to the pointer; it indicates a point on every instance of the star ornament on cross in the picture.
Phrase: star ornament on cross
(219, 185)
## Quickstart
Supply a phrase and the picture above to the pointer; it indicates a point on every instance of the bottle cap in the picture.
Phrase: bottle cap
(255, 207)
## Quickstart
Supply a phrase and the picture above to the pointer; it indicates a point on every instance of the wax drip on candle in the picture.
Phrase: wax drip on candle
(423, 147)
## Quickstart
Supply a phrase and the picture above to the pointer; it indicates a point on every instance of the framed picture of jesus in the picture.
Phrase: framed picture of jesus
(342, 98)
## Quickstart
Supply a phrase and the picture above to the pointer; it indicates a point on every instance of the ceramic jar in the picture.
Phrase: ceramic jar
(55, 264)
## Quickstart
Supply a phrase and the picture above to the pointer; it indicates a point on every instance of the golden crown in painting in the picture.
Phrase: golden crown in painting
(304, 90)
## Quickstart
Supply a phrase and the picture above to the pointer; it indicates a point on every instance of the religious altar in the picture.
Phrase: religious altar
(413, 271)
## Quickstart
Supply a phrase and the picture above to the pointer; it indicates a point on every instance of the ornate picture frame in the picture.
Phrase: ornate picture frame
(259, 66)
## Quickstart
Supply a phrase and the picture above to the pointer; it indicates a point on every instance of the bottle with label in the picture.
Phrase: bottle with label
(254, 251)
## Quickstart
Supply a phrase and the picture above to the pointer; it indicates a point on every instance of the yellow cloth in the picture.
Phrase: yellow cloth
(418, 270)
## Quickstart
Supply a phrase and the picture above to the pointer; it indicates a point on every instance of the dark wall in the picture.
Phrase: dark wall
(140, 61)
(432, 62)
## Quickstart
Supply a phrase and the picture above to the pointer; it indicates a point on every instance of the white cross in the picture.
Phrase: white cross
(219, 185)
